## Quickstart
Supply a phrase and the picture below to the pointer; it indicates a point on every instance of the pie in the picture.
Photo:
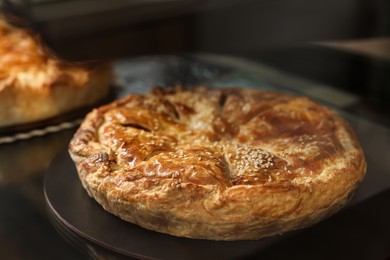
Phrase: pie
(36, 85)
(218, 163)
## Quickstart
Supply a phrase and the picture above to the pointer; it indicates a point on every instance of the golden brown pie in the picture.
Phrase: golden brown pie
(220, 164)
(35, 85)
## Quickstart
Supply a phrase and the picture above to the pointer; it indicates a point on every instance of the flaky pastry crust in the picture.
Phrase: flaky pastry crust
(35, 85)
(219, 164)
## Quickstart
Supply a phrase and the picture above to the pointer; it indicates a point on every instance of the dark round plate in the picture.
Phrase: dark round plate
(71, 206)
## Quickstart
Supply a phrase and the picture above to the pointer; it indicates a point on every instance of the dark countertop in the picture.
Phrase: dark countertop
(360, 231)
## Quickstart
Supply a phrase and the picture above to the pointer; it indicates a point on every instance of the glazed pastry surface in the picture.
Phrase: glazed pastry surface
(219, 164)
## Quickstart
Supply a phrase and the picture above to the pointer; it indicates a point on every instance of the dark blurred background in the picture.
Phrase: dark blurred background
(87, 29)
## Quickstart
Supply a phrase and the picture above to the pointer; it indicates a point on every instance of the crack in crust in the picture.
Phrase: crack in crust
(223, 164)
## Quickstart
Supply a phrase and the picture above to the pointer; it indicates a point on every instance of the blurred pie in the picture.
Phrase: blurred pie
(219, 164)
(35, 85)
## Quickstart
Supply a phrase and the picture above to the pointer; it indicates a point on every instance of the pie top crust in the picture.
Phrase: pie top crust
(36, 85)
(220, 164)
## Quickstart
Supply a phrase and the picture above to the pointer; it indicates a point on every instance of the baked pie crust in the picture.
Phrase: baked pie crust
(218, 164)
(36, 85)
